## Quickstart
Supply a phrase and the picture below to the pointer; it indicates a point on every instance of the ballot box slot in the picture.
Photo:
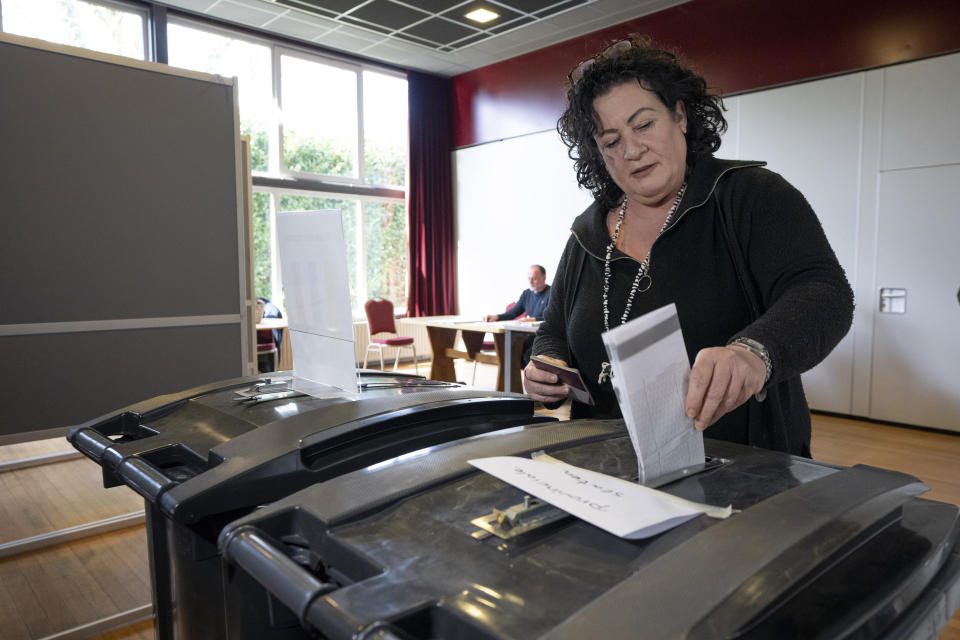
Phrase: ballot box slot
(366, 440)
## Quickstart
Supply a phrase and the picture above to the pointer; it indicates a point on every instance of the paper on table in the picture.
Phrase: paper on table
(529, 325)
(650, 377)
(313, 261)
(623, 508)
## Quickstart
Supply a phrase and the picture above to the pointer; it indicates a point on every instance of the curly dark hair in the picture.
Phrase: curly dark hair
(657, 70)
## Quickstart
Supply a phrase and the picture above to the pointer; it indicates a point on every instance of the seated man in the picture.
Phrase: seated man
(532, 302)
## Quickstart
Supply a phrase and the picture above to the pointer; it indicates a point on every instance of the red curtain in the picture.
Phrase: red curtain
(432, 258)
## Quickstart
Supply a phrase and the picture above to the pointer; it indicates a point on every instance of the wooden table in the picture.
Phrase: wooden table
(507, 340)
(285, 357)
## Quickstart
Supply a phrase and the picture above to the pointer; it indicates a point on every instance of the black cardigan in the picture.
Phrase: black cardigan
(787, 270)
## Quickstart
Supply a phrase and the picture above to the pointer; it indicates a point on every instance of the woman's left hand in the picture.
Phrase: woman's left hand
(722, 378)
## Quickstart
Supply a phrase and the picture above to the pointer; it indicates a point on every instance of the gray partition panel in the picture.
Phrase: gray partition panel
(118, 187)
(119, 191)
(67, 378)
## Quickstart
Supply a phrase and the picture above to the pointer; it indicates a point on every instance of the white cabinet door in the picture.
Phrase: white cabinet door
(811, 134)
(916, 352)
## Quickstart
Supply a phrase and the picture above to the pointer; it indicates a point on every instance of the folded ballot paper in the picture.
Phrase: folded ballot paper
(650, 377)
(623, 508)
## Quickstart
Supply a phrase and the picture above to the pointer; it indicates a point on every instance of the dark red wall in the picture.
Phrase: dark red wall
(737, 45)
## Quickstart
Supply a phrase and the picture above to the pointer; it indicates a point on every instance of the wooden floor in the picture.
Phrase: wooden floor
(62, 587)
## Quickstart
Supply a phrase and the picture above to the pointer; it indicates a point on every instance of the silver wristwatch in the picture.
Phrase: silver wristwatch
(757, 349)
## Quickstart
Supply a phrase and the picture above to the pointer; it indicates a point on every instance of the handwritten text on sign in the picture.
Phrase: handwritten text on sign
(623, 508)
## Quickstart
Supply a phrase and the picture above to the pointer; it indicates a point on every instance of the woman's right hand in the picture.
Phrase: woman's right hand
(544, 386)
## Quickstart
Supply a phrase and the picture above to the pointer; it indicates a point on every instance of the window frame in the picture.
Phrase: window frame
(276, 163)
(357, 70)
(277, 180)
(117, 5)
(274, 194)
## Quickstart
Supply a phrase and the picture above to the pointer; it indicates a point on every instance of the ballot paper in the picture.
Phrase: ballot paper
(651, 374)
(316, 286)
(623, 508)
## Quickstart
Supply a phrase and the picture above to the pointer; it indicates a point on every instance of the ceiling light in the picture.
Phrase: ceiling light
(482, 15)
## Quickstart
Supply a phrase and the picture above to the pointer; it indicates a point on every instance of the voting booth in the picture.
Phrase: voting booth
(432, 547)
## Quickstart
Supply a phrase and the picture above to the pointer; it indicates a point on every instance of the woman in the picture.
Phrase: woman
(758, 290)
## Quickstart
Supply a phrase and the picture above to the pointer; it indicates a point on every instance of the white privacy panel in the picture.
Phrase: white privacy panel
(921, 103)
(515, 201)
(916, 347)
(811, 135)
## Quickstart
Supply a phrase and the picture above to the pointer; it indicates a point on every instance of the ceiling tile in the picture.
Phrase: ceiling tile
(539, 30)
(387, 50)
(557, 8)
(459, 44)
(307, 27)
(511, 25)
(574, 18)
(244, 13)
(303, 9)
(435, 45)
(347, 40)
(433, 6)
(440, 31)
(196, 5)
(349, 19)
(415, 40)
(460, 14)
(530, 6)
(325, 7)
(389, 14)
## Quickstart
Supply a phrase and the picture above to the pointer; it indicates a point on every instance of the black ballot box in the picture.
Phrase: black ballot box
(206, 456)
(430, 547)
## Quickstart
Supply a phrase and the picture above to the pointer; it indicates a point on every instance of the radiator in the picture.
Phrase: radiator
(404, 328)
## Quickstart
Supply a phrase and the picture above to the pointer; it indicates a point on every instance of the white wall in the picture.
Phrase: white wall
(515, 201)
(811, 134)
(876, 153)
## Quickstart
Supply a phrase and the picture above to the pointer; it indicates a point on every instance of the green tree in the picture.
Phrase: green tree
(385, 165)
(311, 155)
(259, 146)
(385, 224)
(385, 233)
(262, 251)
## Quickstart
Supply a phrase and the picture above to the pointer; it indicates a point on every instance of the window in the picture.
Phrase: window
(327, 128)
(385, 129)
(376, 246)
(99, 25)
(321, 130)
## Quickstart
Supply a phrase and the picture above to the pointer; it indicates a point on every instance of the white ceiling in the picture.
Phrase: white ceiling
(270, 17)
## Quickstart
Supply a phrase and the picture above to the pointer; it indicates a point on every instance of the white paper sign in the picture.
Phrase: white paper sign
(316, 287)
(651, 375)
(622, 508)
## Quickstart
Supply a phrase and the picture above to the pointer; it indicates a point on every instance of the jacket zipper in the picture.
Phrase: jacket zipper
(677, 219)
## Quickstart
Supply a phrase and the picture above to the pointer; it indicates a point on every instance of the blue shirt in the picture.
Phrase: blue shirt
(530, 302)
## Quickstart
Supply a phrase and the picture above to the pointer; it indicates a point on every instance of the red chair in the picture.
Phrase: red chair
(268, 350)
(380, 320)
(267, 353)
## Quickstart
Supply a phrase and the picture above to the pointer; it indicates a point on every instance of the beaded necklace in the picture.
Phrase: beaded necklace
(642, 273)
